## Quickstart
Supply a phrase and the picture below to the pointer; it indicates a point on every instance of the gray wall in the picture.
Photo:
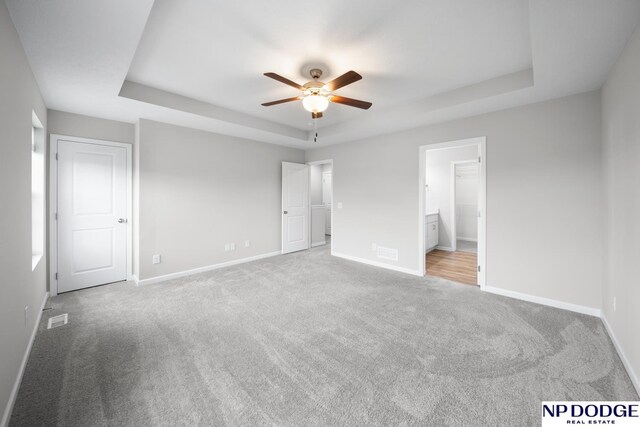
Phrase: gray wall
(200, 190)
(70, 124)
(621, 156)
(20, 287)
(543, 170)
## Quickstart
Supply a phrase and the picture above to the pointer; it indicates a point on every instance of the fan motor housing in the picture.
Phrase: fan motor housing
(315, 73)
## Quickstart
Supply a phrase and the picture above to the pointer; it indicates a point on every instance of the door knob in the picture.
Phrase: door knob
(285, 212)
(121, 220)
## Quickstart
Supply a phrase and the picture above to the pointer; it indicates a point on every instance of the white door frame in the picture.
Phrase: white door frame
(454, 189)
(481, 142)
(333, 199)
(53, 203)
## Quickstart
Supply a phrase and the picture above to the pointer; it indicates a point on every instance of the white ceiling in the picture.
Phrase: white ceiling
(199, 63)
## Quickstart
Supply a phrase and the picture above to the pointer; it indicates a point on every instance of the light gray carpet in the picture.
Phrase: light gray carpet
(466, 246)
(307, 339)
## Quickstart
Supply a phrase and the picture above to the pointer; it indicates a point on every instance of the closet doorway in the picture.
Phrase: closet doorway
(452, 210)
(321, 202)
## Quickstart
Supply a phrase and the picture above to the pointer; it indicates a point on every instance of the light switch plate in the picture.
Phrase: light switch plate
(156, 259)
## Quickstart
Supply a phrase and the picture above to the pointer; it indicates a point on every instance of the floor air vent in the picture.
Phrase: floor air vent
(56, 321)
(388, 253)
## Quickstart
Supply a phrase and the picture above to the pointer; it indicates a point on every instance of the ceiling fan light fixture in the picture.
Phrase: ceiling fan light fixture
(316, 94)
(315, 103)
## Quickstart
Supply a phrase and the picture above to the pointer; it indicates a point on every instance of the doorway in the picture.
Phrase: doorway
(91, 204)
(321, 202)
(307, 205)
(464, 207)
(452, 210)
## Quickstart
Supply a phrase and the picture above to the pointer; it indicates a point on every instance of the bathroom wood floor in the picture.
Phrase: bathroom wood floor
(457, 266)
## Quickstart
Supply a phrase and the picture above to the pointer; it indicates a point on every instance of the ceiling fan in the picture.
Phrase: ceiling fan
(316, 94)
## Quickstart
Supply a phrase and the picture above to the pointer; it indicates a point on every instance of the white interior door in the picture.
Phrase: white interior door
(295, 207)
(92, 215)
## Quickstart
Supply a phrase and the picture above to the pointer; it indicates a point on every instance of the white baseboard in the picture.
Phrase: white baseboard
(318, 244)
(204, 269)
(16, 385)
(623, 357)
(444, 248)
(378, 264)
(468, 239)
(545, 301)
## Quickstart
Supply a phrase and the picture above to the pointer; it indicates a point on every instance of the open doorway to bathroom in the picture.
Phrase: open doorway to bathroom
(452, 219)
(321, 201)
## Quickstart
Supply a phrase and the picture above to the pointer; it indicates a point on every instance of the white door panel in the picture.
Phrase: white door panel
(92, 212)
(295, 207)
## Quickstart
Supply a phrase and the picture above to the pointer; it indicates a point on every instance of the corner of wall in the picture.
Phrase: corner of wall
(136, 200)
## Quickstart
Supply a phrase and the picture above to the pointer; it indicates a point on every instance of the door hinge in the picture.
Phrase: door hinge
(56, 216)
(479, 159)
(56, 156)
(478, 269)
(56, 276)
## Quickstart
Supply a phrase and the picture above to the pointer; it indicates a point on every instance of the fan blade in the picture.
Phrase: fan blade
(281, 101)
(345, 79)
(284, 80)
(316, 115)
(350, 102)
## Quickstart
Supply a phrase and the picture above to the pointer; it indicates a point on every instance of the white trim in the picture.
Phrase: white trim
(16, 385)
(324, 242)
(53, 203)
(545, 301)
(482, 211)
(623, 357)
(445, 248)
(481, 142)
(468, 239)
(378, 264)
(185, 273)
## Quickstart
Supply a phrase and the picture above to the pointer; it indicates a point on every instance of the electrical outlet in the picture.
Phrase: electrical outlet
(614, 303)
(374, 247)
(156, 259)
(247, 243)
(26, 314)
(229, 247)
(339, 205)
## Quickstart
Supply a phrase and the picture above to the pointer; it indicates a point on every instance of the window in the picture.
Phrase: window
(37, 191)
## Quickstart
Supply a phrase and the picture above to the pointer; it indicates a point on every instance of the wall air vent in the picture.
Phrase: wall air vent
(387, 253)
(56, 321)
